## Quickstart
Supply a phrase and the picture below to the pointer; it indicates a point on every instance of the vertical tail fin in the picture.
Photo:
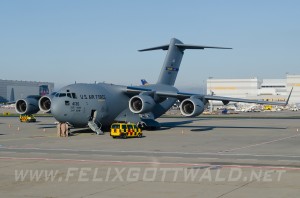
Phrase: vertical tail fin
(172, 62)
(144, 82)
(173, 59)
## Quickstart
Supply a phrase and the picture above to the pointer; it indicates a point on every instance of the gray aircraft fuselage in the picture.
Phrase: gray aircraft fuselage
(108, 101)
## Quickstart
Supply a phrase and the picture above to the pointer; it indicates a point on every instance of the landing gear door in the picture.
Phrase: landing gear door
(93, 115)
(103, 110)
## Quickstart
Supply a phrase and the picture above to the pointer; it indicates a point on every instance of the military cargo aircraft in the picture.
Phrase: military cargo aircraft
(100, 105)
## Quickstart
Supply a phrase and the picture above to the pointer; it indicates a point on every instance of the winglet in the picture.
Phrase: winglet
(287, 101)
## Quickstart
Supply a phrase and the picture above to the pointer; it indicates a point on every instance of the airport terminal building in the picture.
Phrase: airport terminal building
(12, 90)
(254, 88)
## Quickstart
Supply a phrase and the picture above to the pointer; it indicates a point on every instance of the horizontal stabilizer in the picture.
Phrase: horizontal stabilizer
(185, 46)
(182, 47)
(163, 47)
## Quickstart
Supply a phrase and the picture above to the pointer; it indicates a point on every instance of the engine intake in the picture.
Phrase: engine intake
(27, 106)
(141, 104)
(191, 107)
(45, 104)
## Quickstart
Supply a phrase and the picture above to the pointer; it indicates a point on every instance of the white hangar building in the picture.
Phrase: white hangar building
(254, 88)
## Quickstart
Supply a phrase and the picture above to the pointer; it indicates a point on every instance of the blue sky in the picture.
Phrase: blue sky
(86, 41)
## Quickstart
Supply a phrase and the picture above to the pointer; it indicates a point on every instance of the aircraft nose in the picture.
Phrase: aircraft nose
(59, 110)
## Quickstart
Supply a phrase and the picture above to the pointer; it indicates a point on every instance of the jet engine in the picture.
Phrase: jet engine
(141, 104)
(191, 107)
(45, 104)
(27, 106)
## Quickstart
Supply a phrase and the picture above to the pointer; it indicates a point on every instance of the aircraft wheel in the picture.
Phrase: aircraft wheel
(141, 125)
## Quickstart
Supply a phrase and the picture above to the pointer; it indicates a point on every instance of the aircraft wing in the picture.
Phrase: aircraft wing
(182, 96)
(226, 100)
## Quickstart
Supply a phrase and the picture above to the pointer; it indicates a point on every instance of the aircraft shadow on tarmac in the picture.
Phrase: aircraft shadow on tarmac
(75, 132)
(169, 125)
(47, 126)
(208, 128)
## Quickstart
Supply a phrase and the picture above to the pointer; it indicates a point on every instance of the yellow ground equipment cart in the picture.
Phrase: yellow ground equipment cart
(125, 130)
(268, 107)
(27, 118)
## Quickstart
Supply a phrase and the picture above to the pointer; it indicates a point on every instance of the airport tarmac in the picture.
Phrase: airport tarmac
(198, 157)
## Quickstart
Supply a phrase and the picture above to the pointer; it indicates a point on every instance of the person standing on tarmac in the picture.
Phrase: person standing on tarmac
(66, 130)
(62, 130)
(59, 132)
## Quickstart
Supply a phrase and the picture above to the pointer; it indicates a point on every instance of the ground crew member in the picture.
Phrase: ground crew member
(59, 130)
(66, 130)
(62, 130)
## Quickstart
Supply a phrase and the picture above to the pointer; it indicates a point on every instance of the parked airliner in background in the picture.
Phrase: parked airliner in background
(99, 105)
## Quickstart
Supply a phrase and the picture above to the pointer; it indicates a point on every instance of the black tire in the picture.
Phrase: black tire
(140, 135)
(124, 136)
(139, 125)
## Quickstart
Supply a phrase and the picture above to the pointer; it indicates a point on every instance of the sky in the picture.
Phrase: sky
(64, 41)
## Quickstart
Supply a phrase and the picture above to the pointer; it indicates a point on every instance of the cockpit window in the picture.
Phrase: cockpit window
(62, 95)
(74, 95)
(70, 95)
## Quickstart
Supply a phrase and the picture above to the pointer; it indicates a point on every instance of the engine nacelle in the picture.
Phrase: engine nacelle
(141, 104)
(191, 107)
(45, 104)
(27, 106)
